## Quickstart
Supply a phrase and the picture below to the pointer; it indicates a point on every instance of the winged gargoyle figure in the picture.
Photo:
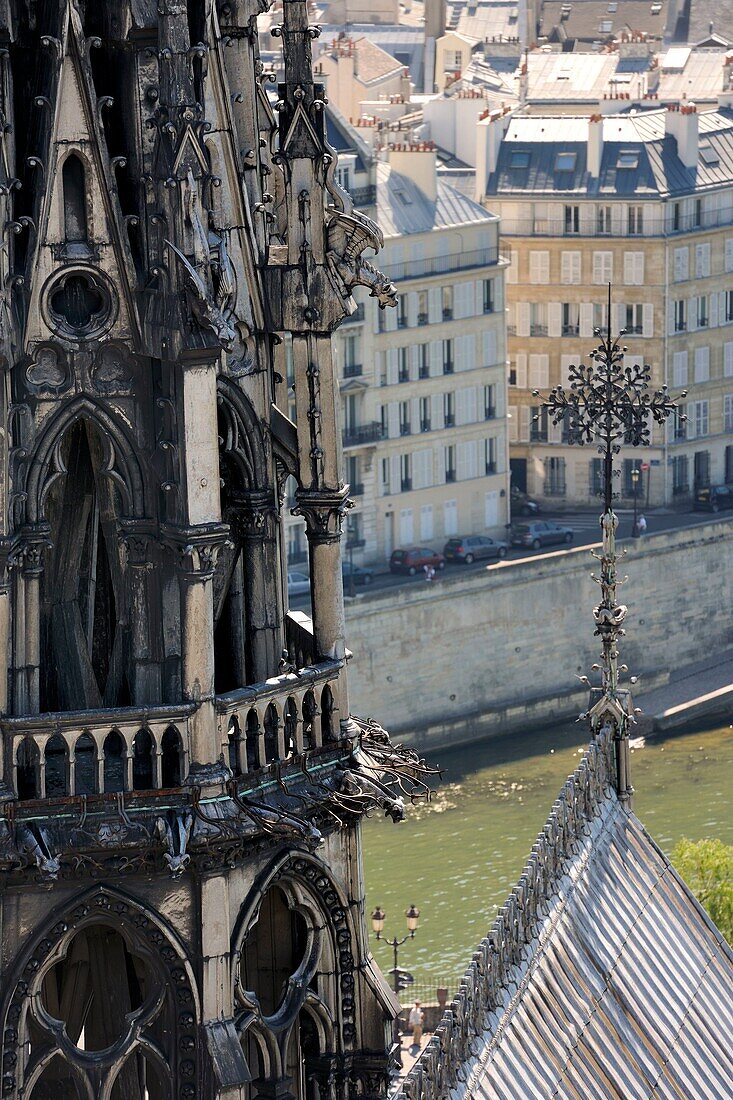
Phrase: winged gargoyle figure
(348, 234)
(209, 308)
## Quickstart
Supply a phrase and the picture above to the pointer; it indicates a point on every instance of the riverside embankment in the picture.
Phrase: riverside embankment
(477, 656)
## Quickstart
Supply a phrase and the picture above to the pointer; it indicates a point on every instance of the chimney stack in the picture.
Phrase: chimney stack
(434, 18)
(688, 135)
(417, 161)
(491, 128)
(595, 145)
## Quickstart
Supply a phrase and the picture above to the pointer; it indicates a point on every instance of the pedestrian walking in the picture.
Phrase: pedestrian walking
(416, 1021)
(641, 525)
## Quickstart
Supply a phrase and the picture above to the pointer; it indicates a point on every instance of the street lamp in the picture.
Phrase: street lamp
(635, 475)
(412, 916)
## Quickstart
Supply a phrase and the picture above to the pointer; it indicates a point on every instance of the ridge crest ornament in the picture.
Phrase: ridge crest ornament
(609, 403)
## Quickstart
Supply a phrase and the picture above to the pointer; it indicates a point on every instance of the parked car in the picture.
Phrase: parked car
(360, 575)
(539, 534)
(715, 498)
(522, 505)
(415, 558)
(298, 583)
(473, 548)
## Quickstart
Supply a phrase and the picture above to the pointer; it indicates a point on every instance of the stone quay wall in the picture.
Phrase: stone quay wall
(483, 654)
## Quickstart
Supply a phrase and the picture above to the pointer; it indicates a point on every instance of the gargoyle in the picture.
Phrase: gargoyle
(210, 309)
(609, 620)
(348, 234)
(34, 845)
(174, 834)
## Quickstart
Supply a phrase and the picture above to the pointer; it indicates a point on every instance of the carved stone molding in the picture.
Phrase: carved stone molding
(253, 515)
(323, 512)
(197, 548)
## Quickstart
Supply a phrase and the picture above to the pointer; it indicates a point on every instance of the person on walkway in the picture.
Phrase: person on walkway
(416, 1021)
(641, 525)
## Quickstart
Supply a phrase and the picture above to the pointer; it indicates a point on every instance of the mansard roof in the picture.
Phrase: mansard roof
(658, 173)
(404, 209)
(602, 975)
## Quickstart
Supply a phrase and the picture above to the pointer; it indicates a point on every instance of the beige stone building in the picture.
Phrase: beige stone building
(644, 202)
(423, 388)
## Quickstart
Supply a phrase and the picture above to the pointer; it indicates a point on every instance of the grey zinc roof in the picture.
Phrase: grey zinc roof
(602, 976)
(402, 208)
(659, 171)
(628, 991)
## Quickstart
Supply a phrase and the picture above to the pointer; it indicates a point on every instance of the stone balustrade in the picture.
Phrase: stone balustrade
(70, 754)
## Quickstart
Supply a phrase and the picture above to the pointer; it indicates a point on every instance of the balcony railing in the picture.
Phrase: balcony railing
(356, 489)
(95, 754)
(571, 330)
(442, 265)
(652, 227)
(353, 370)
(363, 434)
(538, 330)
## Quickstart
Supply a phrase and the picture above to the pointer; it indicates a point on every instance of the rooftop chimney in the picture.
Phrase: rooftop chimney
(417, 161)
(434, 18)
(688, 135)
(595, 145)
(491, 128)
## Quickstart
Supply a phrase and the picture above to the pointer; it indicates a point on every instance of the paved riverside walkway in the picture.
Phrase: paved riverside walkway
(702, 688)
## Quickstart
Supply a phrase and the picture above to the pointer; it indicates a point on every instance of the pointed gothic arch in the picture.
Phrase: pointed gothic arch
(122, 465)
(242, 440)
(33, 1037)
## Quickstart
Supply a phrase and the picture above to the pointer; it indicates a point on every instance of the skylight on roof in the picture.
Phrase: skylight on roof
(519, 159)
(612, 7)
(628, 158)
(404, 198)
(708, 155)
(565, 162)
(656, 9)
(606, 26)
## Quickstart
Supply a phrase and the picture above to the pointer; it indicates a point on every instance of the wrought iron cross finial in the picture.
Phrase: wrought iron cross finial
(609, 403)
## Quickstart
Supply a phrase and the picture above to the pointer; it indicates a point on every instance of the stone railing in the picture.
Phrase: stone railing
(74, 753)
(484, 986)
(86, 753)
(280, 719)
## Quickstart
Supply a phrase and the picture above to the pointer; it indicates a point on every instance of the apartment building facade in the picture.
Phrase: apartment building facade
(423, 387)
(645, 203)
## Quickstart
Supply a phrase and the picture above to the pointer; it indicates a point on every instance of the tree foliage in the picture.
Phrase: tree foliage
(707, 868)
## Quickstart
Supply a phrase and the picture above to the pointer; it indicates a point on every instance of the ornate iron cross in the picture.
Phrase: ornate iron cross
(609, 403)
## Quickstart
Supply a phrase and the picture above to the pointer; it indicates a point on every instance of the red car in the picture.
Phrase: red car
(415, 558)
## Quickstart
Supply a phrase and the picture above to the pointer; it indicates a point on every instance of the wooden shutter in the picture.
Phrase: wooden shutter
(393, 420)
(471, 405)
(713, 317)
(412, 309)
(489, 347)
(522, 318)
(521, 370)
(648, 319)
(461, 461)
(513, 417)
(702, 364)
(460, 407)
(524, 415)
(554, 319)
(679, 369)
(436, 358)
(729, 253)
(681, 264)
(392, 367)
(586, 319)
(472, 458)
(435, 305)
(728, 360)
(437, 420)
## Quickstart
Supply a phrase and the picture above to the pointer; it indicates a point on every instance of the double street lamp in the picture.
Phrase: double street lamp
(412, 916)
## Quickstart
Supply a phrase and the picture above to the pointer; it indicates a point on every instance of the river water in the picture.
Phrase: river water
(458, 857)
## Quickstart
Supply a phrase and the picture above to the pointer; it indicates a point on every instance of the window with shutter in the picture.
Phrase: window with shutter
(586, 319)
(523, 318)
(728, 360)
(435, 305)
(602, 267)
(539, 267)
(471, 405)
(513, 425)
(679, 368)
(634, 268)
(702, 260)
(570, 268)
(554, 318)
(450, 517)
(393, 419)
(521, 370)
(461, 407)
(681, 264)
(524, 423)
(728, 412)
(489, 347)
(648, 319)
(729, 253)
(702, 364)
(406, 526)
(426, 522)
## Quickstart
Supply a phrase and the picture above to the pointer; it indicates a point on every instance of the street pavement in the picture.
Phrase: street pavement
(586, 532)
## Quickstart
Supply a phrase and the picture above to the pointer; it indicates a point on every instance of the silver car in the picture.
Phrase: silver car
(298, 583)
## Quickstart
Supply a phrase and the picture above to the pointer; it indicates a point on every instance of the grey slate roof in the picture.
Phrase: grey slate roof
(402, 208)
(601, 978)
(405, 44)
(659, 171)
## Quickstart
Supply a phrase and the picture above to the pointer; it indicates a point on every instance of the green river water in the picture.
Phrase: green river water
(458, 857)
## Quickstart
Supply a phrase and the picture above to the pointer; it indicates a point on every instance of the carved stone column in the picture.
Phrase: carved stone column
(29, 558)
(323, 512)
(145, 669)
(197, 551)
(4, 626)
(255, 519)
